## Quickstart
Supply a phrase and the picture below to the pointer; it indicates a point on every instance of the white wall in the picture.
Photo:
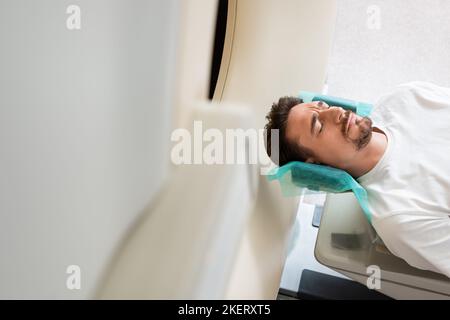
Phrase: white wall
(84, 123)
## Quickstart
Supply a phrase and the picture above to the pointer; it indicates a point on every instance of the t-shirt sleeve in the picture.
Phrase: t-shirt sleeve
(426, 88)
(404, 98)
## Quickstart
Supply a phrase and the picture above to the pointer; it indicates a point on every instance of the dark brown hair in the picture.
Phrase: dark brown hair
(277, 119)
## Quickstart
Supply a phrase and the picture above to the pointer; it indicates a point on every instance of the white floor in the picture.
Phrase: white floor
(381, 43)
(301, 246)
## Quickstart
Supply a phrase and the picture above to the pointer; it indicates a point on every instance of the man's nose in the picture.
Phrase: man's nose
(321, 104)
(333, 114)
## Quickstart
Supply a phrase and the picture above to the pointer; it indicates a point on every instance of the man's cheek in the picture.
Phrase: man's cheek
(354, 133)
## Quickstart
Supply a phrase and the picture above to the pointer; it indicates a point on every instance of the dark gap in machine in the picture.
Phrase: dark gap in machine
(219, 40)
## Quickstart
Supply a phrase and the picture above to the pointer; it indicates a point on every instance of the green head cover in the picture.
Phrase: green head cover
(296, 175)
(361, 108)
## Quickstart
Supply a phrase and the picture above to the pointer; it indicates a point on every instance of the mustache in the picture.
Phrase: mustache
(365, 128)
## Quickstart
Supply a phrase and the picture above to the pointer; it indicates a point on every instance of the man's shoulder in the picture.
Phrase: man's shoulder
(397, 97)
(401, 88)
(416, 86)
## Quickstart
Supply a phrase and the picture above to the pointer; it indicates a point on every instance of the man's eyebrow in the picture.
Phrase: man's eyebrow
(313, 122)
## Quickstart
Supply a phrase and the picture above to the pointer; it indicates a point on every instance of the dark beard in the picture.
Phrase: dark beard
(365, 128)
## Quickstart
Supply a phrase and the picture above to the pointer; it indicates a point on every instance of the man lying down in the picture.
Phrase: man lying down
(401, 156)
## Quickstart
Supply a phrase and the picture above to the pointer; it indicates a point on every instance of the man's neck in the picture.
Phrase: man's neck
(370, 156)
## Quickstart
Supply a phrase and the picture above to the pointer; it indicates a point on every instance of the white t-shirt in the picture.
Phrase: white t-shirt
(409, 188)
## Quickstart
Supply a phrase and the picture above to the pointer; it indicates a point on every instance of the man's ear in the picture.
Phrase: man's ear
(312, 160)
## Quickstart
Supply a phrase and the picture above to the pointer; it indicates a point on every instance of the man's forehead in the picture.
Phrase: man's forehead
(304, 109)
(302, 113)
(298, 126)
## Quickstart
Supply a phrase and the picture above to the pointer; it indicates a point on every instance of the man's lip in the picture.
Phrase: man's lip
(349, 121)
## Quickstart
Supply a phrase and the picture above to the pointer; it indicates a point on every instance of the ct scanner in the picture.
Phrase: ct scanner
(207, 231)
(255, 68)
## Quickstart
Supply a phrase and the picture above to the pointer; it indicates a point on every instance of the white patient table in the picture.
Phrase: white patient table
(342, 215)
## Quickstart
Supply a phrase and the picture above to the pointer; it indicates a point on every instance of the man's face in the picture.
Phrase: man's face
(333, 134)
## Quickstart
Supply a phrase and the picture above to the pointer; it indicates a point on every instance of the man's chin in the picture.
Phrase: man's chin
(365, 134)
